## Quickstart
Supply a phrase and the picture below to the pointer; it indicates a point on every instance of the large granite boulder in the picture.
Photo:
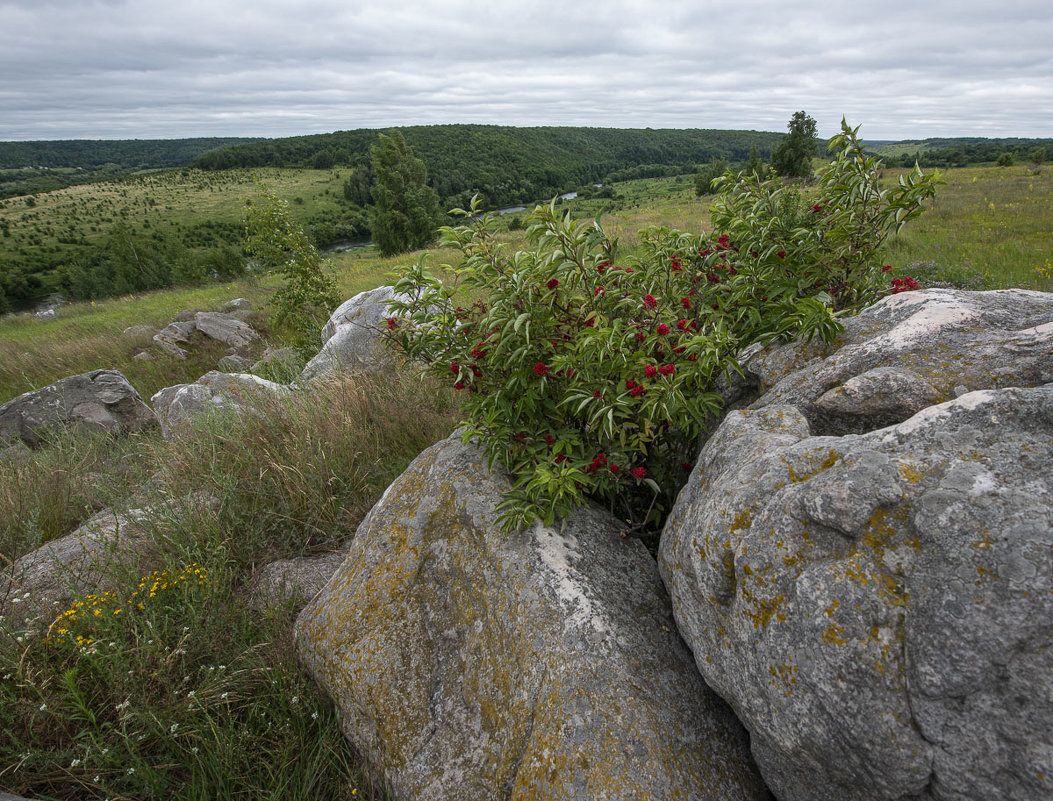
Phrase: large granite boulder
(876, 606)
(910, 351)
(177, 405)
(470, 664)
(353, 338)
(101, 399)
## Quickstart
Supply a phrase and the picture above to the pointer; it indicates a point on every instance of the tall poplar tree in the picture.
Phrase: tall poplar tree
(793, 156)
(405, 210)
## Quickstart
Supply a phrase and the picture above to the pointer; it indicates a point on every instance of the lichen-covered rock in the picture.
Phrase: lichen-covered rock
(877, 608)
(469, 664)
(352, 338)
(907, 352)
(177, 405)
(36, 587)
(101, 399)
(174, 336)
(289, 579)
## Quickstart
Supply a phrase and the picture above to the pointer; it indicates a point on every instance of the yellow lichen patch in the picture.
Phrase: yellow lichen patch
(984, 542)
(785, 675)
(743, 519)
(832, 635)
(832, 458)
(832, 607)
(909, 473)
(985, 573)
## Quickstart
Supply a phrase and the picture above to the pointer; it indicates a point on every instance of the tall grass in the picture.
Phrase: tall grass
(169, 685)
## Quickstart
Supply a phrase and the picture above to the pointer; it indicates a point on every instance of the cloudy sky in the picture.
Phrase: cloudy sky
(104, 69)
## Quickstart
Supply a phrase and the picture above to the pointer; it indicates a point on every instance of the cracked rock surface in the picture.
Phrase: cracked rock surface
(472, 664)
(876, 603)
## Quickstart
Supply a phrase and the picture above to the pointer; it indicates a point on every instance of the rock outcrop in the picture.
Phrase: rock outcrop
(176, 337)
(101, 399)
(175, 406)
(352, 338)
(876, 606)
(470, 664)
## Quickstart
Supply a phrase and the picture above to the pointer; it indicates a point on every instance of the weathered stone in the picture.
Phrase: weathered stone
(177, 405)
(139, 331)
(471, 664)
(226, 328)
(143, 356)
(289, 579)
(185, 316)
(278, 362)
(909, 351)
(101, 399)
(877, 607)
(173, 336)
(238, 304)
(36, 588)
(353, 338)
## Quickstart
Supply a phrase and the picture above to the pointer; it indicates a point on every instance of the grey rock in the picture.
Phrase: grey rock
(877, 607)
(139, 331)
(101, 399)
(46, 314)
(174, 336)
(226, 328)
(36, 588)
(300, 579)
(178, 405)
(143, 356)
(238, 304)
(38, 585)
(185, 316)
(909, 351)
(471, 664)
(353, 339)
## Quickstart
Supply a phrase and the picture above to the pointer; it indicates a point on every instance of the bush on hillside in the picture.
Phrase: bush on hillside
(591, 374)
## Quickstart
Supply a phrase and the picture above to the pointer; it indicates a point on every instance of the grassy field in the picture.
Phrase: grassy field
(194, 695)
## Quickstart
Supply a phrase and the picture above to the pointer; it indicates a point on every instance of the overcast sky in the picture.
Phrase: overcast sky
(176, 68)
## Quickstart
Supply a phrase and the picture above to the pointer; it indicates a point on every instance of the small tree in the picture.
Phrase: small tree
(1006, 159)
(706, 175)
(406, 210)
(754, 166)
(309, 295)
(793, 156)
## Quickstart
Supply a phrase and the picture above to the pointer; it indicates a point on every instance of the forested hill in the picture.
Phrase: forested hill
(124, 154)
(508, 164)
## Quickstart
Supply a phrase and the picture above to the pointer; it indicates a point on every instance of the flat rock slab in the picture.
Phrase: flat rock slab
(910, 351)
(877, 608)
(101, 399)
(470, 664)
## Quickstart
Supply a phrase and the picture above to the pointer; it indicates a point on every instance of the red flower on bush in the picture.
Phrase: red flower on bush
(817, 207)
(590, 322)
(613, 468)
(560, 458)
(639, 472)
(637, 391)
(553, 283)
(597, 394)
(599, 289)
(662, 329)
(540, 369)
(549, 439)
(713, 278)
(603, 265)
(459, 385)
(685, 302)
(686, 466)
(781, 254)
(649, 301)
(650, 371)
(640, 336)
(629, 383)
(886, 268)
(904, 285)
(392, 322)
(667, 369)
(683, 325)
(455, 367)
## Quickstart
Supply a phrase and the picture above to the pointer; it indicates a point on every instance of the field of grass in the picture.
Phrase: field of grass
(194, 695)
